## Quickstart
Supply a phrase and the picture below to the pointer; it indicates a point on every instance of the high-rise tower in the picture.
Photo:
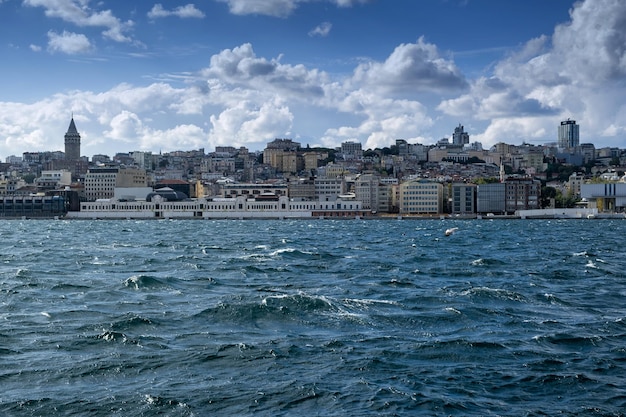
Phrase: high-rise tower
(72, 143)
(460, 136)
(568, 134)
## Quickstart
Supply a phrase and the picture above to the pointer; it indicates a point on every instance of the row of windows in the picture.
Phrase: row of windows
(421, 203)
(208, 207)
(420, 193)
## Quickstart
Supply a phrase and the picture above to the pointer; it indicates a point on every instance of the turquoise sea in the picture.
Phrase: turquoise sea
(313, 318)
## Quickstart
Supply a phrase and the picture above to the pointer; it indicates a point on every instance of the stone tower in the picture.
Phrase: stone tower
(72, 143)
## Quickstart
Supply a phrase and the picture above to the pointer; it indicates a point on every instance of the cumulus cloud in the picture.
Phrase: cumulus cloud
(35, 48)
(412, 68)
(248, 122)
(275, 8)
(187, 11)
(240, 67)
(322, 30)
(578, 72)
(79, 13)
(68, 43)
(244, 99)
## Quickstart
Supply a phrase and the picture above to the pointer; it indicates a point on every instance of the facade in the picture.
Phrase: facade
(329, 187)
(51, 180)
(282, 154)
(607, 197)
(219, 208)
(522, 194)
(490, 198)
(100, 183)
(463, 199)
(72, 143)
(574, 183)
(352, 150)
(366, 189)
(568, 135)
(302, 189)
(230, 190)
(37, 206)
(9, 185)
(421, 197)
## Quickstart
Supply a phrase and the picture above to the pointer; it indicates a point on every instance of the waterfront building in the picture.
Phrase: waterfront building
(568, 135)
(421, 197)
(241, 207)
(329, 187)
(607, 197)
(463, 199)
(367, 190)
(100, 182)
(490, 198)
(522, 194)
(32, 206)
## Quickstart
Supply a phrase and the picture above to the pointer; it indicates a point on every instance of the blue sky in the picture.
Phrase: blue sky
(176, 75)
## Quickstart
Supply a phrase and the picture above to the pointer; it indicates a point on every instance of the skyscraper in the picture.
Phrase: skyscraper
(568, 134)
(72, 143)
(460, 137)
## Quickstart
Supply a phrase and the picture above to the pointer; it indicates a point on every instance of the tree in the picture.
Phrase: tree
(29, 178)
(490, 180)
(547, 193)
(475, 160)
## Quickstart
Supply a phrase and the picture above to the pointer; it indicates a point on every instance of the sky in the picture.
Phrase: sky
(173, 75)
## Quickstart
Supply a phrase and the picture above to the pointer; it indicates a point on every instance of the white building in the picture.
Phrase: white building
(420, 197)
(51, 180)
(100, 183)
(608, 197)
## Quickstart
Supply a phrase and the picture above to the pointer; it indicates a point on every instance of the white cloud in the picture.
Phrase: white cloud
(187, 11)
(276, 8)
(79, 13)
(35, 48)
(322, 30)
(579, 72)
(241, 98)
(247, 123)
(412, 68)
(68, 43)
(383, 120)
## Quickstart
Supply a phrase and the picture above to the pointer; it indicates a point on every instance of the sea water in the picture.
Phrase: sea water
(313, 317)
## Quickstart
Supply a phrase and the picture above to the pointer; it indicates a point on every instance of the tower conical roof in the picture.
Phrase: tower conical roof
(72, 129)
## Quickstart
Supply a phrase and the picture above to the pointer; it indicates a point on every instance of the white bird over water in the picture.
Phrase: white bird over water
(451, 230)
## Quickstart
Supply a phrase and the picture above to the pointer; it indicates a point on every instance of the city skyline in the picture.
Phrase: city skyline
(177, 76)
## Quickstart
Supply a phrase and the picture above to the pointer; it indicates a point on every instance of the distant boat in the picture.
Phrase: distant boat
(451, 231)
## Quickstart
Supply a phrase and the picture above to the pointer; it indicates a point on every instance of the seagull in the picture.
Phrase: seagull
(451, 230)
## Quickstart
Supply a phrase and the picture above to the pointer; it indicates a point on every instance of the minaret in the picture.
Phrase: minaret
(72, 143)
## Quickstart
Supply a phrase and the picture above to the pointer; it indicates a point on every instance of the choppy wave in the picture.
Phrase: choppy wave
(325, 318)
